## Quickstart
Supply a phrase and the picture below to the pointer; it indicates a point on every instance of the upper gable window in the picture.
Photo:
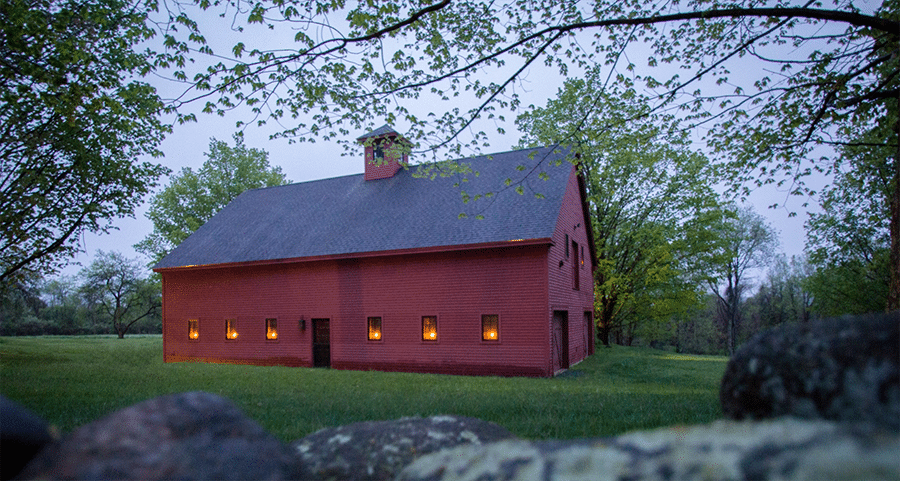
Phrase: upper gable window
(378, 153)
(575, 270)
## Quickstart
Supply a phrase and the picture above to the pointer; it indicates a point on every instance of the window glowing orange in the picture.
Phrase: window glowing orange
(429, 328)
(490, 327)
(374, 324)
(271, 329)
(230, 331)
(193, 329)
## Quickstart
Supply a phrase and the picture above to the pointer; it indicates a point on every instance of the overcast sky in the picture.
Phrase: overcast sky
(303, 162)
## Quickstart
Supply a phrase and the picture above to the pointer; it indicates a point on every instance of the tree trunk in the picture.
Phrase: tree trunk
(894, 193)
(603, 334)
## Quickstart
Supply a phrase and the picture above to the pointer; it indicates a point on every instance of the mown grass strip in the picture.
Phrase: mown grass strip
(73, 380)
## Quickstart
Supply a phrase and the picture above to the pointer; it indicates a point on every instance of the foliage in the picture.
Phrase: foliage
(748, 243)
(58, 307)
(120, 294)
(697, 331)
(650, 200)
(807, 74)
(73, 122)
(783, 298)
(192, 198)
(849, 241)
(19, 301)
(69, 382)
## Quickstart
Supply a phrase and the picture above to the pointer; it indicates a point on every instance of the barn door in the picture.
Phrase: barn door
(321, 343)
(560, 332)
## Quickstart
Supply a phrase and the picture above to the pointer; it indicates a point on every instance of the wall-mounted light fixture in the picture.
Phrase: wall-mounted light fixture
(302, 323)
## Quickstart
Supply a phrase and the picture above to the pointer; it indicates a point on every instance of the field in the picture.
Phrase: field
(71, 381)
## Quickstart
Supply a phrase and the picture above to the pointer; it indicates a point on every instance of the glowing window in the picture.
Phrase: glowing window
(193, 329)
(490, 327)
(429, 328)
(374, 328)
(271, 329)
(230, 330)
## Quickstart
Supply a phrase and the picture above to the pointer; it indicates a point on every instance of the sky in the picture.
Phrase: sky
(303, 162)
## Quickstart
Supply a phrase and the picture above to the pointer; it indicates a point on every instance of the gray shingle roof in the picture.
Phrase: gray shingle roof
(348, 215)
(383, 130)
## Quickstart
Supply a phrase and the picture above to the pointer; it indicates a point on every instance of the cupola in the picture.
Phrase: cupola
(386, 152)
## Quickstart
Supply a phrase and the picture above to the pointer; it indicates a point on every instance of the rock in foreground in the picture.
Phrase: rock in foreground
(194, 435)
(788, 449)
(378, 450)
(845, 369)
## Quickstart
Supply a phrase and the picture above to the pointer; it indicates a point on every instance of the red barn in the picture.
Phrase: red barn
(380, 271)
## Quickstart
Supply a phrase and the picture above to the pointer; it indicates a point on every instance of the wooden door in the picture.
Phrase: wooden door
(321, 343)
(560, 334)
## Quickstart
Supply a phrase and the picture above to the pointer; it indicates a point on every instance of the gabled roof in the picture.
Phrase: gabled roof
(347, 215)
(383, 130)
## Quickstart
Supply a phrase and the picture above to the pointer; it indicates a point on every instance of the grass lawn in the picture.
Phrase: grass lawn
(71, 381)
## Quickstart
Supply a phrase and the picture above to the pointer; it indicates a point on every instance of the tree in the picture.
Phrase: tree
(782, 298)
(192, 198)
(749, 243)
(649, 197)
(114, 285)
(849, 241)
(809, 74)
(73, 122)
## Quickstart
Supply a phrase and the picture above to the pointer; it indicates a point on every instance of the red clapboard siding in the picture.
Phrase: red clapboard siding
(457, 287)
(572, 227)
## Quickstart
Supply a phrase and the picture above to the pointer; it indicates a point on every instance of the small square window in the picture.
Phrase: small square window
(230, 330)
(429, 328)
(374, 324)
(193, 329)
(271, 329)
(490, 327)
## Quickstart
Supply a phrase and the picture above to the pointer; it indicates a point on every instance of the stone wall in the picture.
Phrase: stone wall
(818, 401)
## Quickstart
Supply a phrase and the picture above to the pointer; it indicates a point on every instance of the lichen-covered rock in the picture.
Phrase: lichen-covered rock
(194, 435)
(378, 450)
(845, 369)
(23, 434)
(783, 449)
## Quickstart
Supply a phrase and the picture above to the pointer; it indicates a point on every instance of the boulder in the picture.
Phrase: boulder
(786, 448)
(194, 435)
(23, 434)
(845, 369)
(378, 450)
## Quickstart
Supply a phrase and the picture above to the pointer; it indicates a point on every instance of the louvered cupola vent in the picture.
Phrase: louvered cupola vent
(385, 152)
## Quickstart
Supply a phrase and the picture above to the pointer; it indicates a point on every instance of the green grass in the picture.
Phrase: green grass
(71, 381)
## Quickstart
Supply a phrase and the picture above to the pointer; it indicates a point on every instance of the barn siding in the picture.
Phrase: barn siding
(563, 296)
(457, 287)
